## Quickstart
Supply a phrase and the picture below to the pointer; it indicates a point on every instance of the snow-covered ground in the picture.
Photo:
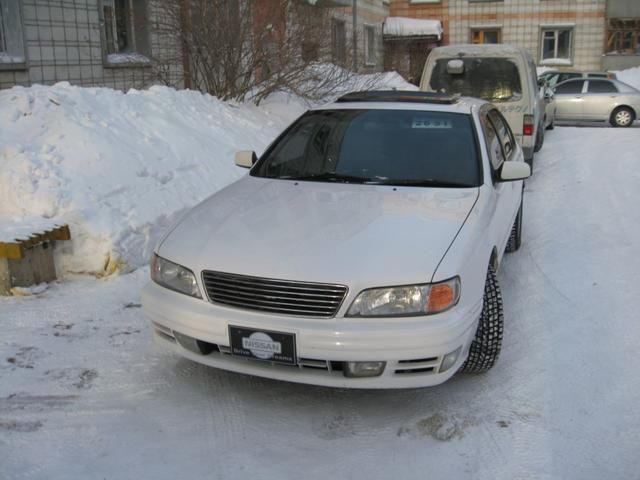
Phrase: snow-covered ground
(84, 394)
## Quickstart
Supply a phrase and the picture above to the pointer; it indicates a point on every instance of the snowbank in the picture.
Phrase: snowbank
(630, 76)
(120, 168)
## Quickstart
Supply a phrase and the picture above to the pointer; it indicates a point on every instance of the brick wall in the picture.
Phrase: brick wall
(521, 22)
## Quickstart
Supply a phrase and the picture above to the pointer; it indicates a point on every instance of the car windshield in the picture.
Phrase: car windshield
(492, 79)
(386, 147)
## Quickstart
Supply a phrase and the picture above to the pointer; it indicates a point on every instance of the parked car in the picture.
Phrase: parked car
(502, 74)
(549, 107)
(553, 77)
(360, 251)
(597, 99)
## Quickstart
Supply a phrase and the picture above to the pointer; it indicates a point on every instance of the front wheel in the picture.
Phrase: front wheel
(486, 345)
(622, 117)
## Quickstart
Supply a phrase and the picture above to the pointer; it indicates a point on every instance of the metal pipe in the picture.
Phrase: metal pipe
(354, 14)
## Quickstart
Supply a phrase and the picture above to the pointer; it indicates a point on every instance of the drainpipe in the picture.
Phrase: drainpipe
(354, 11)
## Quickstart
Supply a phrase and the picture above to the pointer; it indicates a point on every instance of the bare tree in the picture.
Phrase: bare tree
(252, 48)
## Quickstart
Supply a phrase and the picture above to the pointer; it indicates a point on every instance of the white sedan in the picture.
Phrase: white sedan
(359, 251)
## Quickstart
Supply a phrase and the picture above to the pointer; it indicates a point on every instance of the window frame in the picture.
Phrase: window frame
(339, 41)
(617, 28)
(488, 126)
(557, 29)
(602, 81)
(13, 46)
(508, 140)
(483, 31)
(137, 29)
(370, 57)
(572, 81)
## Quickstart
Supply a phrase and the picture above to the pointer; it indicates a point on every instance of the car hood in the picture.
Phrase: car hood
(321, 232)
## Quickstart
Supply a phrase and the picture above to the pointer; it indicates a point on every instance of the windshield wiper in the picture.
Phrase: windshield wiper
(429, 182)
(336, 177)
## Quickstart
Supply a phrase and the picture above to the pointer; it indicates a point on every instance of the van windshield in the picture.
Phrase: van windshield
(492, 79)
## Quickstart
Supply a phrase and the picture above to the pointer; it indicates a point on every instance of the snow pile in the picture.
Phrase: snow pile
(630, 76)
(12, 230)
(120, 168)
(409, 27)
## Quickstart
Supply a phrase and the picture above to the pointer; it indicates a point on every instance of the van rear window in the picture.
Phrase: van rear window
(492, 79)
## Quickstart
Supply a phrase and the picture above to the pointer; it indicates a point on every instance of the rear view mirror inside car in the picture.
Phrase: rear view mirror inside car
(455, 67)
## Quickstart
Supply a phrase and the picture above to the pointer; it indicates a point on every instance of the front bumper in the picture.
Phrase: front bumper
(413, 347)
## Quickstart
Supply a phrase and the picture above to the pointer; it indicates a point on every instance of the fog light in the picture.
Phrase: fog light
(363, 369)
(193, 344)
(449, 359)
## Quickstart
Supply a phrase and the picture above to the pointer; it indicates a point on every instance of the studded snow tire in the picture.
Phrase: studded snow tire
(486, 345)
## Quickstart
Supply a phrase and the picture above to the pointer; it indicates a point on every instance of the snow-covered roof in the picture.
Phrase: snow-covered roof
(412, 27)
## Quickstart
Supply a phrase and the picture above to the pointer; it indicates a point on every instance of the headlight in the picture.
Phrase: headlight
(424, 299)
(174, 276)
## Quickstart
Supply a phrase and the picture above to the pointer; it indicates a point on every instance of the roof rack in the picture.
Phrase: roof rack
(399, 96)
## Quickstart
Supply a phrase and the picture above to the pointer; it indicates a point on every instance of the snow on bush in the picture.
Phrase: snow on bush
(120, 168)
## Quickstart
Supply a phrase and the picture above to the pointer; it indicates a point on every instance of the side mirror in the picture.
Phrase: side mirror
(512, 171)
(246, 158)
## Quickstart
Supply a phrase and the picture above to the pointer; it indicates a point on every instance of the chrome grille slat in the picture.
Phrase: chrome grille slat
(274, 295)
(220, 291)
(275, 282)
(279, 291)
(269, 303)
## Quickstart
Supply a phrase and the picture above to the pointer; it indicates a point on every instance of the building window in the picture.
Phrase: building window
(339, 41)
(125, 31)
(556, 45)
(486, 35)
(370, 44)
(11, 37)
(623, 36)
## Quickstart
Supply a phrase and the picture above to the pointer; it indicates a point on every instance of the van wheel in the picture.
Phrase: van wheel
(551, 126)
(485, 347)
(622, 117)
(539, 139)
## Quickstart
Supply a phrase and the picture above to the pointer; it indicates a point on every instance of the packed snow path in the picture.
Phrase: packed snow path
(85, 394)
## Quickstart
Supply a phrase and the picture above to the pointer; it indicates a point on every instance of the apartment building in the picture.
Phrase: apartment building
(114, 43)
(126, 43)
(558, 33)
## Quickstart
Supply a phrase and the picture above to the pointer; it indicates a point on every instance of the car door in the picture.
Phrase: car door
(600, 99)
(569, 99)
(502, 146)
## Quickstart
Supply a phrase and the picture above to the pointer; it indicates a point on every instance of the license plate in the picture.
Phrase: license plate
(263, 345)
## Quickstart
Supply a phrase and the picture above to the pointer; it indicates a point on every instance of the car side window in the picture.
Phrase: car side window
(601, 86)
(570, 87)
(504, 133)
(496, 154)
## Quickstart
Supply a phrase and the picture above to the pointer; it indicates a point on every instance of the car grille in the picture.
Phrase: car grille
(275, 296)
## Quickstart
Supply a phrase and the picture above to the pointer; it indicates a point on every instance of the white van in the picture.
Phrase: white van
(502, 74)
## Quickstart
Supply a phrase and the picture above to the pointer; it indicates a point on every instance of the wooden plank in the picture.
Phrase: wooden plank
(10, 250)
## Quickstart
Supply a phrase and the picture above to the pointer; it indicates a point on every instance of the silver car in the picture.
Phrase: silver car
(554, 77)
(597, 99)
